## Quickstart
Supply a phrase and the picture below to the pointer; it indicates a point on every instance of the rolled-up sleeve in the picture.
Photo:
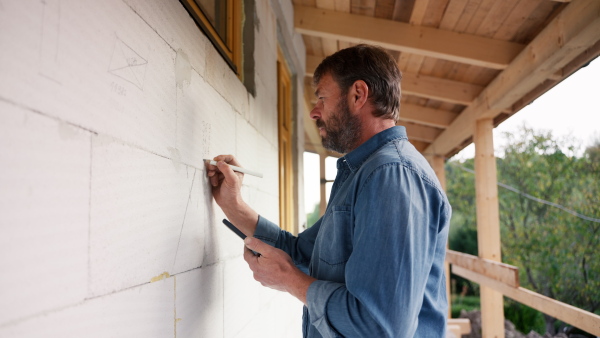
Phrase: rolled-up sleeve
(298, 247)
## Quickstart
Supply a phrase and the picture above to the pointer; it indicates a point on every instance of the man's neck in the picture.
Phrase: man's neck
(373, 126)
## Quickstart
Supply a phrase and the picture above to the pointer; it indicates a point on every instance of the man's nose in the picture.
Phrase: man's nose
(315, 113)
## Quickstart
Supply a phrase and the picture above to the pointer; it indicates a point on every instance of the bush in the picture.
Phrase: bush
(524, 317)
(467, 303)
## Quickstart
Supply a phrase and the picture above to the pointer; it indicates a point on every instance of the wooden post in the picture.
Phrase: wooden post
(437, 163)
(488, 225)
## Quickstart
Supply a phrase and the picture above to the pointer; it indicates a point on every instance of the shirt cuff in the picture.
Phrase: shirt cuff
(317, 296)
(266, 231)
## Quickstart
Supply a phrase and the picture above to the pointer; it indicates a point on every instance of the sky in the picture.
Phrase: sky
(571, 108)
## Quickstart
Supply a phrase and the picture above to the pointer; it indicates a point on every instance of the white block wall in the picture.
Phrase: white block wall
(107, 224)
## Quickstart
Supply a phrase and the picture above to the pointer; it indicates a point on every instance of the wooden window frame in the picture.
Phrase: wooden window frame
(230, 47)
(287, 219)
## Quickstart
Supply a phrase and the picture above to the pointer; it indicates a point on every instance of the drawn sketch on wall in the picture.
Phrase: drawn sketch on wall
(184, 215)
(50, 39)
(128, 64)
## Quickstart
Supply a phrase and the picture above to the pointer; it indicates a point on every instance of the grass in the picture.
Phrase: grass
(467, 303)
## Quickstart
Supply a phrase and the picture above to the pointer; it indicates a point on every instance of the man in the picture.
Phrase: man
(374, 262)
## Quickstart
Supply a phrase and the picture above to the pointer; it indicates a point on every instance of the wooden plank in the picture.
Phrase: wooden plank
(312, 61)
(479, 16)
(515, 19)
(422, 85)
(426, 116)
(412, 62)
(466, 16)
(571, 32)
(453, 331)
(363, 7)
(441, 89)
(486, 192)
(488, 224)
(453, 13)
(584, 320)
(418, 13)
(403, 10)
(419, 145)
(464, 325)
(419, 132)
(325, 4)
(330, 46)
(502, 272)
(573, 66)
(496, 18)
(384, 9)
(405, 37)
(435, 12)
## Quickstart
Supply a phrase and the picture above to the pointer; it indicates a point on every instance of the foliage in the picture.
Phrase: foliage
(524, 317)
(467, 303)
(463, 229)
(461, 194)
(553, 248)
(313, 217)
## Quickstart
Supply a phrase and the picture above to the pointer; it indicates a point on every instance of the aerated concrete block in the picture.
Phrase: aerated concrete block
(143, 311)
(147, 217)
(44, 213)
(199, 302)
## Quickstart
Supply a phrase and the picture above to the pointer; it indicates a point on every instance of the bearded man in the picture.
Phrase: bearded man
(373, 265)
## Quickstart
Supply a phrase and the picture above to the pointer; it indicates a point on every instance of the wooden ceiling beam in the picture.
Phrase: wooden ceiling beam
(404, 37)
(422, 133)
(424, 86)
(440, 89)
(419, 145)
(426, 116)
(569, 34)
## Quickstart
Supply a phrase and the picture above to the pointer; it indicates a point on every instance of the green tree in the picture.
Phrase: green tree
(549, 210)
(463, 228)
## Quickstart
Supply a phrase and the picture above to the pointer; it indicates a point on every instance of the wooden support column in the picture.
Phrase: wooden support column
(437, 163)
(488, 225)
(323, 190)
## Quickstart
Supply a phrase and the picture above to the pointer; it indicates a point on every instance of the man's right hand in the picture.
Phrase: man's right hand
(226, 183)
(226, 189)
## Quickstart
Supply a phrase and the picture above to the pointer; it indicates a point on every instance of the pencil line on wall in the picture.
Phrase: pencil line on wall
(184, 215)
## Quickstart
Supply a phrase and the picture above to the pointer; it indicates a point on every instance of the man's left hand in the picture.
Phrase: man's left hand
(274, 269)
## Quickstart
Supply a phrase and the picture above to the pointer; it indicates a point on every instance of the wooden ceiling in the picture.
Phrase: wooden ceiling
(462, 60)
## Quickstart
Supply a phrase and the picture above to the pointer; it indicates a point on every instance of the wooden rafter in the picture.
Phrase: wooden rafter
(421, 133)
(394, 35)
(426, 116)
(573, 31)
(424, 86)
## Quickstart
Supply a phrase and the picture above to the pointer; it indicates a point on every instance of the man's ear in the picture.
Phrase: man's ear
(359, 94)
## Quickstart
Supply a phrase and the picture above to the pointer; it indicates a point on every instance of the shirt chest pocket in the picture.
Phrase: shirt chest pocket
(336, 237)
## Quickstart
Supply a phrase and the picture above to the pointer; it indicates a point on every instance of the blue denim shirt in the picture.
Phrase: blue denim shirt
(378, 251)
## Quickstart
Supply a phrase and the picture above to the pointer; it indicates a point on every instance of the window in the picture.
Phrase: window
(286, 165)
(221, 20)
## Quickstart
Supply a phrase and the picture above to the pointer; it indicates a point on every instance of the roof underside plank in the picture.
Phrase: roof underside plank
(568, 35)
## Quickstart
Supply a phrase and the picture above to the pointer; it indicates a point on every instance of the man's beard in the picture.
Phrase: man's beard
(342, 130)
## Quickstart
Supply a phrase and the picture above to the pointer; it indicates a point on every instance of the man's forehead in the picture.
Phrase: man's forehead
(326, 84)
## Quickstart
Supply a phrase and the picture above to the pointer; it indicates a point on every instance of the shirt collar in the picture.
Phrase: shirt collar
(356, 157)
